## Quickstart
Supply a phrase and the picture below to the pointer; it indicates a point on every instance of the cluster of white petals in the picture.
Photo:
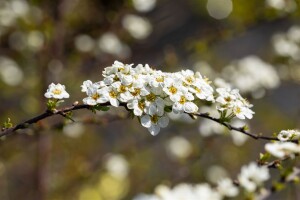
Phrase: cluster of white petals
(56, 91)
(150, 93)
(233, 104)
(251, 179)
(286, 135)
(282, 149)
(251, 75)
(225, 188)
(252, 176)
(288, 44)
(187, 191)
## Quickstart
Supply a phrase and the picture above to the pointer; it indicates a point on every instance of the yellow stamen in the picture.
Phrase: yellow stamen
(228, 99)
(189, 79)
(160, 79)
(56, 91)
(95, 96)
(141, 105)
(198, 90)
(238, 110)
(151, 97)
(112, 94)
(136, 92)
(182, 100)
(122, 88)
(154, 119)
(173, 89)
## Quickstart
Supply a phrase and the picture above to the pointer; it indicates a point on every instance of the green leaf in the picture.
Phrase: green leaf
(104, 108)
(7, 123)
(51, 104)
(101, 108)
(263, 157)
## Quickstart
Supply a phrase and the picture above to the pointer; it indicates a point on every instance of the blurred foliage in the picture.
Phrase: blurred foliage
(60, 41)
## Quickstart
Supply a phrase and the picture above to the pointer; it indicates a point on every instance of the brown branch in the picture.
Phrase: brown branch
(42, 116)
(63, 112)
(239, 129)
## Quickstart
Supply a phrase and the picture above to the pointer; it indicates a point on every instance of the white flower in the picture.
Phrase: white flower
(85, 85)
(252, 176)
(112, 95)
(227, 188)
(122, 91)
(57, 91)
(138, 107)
(285, 135)
(204, 191)
(200, 87)
(226, 95)
(157, 79)
(154, 105)
(96, 96)
(154, 122)
(282, 149)
(241, 111)
(181, 191)
(182, 103)
(173, 89)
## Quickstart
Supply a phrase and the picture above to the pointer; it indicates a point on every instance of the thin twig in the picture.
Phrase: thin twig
(239, 129)
(40, 117)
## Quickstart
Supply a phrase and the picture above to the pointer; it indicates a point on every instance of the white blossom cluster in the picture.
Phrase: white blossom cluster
(286, 135)
(149, 93)
(251, 75)
(288, 44)
(233, 104)
(284, 147)
(251, 178)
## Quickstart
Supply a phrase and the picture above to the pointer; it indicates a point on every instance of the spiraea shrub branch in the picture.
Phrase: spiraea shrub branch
(150, 94)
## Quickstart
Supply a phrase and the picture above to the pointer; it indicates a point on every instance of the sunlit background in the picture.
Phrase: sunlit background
(253, 45)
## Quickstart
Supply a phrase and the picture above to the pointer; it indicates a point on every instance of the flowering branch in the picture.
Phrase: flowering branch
(149, 95)
(63, 111)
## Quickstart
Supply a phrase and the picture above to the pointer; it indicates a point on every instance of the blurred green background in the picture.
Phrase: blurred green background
(108, 156)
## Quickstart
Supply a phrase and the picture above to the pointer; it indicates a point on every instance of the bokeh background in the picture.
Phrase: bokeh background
(252, 45)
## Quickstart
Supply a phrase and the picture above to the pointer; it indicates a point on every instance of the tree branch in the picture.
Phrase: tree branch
(239, 129)
(63, 111)
(46, 114)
